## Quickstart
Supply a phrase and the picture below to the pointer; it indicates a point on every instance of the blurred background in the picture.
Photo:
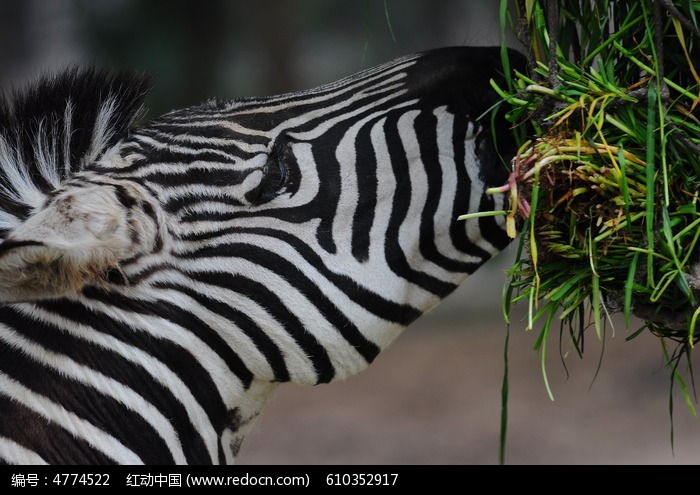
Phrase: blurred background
(434, 396)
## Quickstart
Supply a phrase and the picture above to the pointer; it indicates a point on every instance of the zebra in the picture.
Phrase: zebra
(159, 281)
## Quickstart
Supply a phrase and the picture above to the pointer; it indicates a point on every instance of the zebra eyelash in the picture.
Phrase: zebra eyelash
(277, 174)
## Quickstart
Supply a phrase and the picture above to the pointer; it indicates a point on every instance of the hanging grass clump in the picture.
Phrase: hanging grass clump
(606, 183)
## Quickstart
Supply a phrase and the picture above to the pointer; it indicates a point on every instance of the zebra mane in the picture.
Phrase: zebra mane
(56, 127)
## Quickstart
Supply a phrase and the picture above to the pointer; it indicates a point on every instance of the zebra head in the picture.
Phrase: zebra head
(221, 249)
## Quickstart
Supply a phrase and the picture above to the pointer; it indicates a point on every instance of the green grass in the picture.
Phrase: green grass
(606, 183)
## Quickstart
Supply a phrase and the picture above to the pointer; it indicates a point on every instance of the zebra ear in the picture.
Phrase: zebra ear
(73, 242)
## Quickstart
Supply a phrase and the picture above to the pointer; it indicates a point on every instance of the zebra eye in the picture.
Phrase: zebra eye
(275, 176)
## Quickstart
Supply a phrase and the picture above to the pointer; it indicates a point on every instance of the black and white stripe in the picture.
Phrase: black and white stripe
(260, 241)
